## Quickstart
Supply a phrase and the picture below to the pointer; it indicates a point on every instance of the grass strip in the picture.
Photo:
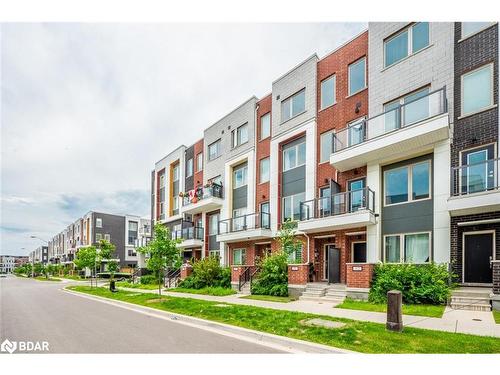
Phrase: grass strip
(433, 311)
(210, 291)
(261, 297)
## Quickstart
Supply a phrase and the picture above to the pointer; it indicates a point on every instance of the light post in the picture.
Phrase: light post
(33, 259)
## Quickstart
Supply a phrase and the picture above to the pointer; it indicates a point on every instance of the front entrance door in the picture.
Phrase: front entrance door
(359, 252)
(478, 250)
(333, 263)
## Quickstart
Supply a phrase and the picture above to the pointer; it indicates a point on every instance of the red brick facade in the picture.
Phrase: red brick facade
(359, 275)
(298, 274)
(262, 150)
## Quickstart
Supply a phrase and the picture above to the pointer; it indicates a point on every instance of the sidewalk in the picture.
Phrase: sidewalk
(459, 321)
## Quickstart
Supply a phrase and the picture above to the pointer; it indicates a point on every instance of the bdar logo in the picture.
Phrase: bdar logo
(8, 346)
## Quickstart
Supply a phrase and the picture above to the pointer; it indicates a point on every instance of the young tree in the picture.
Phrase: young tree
(39, 268)
(289, 244)
(86, 257)
(105, 251)
(163, 253)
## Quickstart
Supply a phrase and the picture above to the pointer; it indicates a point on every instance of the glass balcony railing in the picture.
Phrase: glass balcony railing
(409, 113)
(245, 222)
(475, 178)
(338, 204)
(190, 233)
(214, 190)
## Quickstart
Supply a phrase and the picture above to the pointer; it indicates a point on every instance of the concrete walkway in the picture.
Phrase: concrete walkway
(459, 321)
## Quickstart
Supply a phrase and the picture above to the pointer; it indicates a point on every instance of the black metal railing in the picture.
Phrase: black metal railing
(203, 192)
(338, 204)
(409, 113)
(172, 278)
(254, 274)
(244, 277)
(189, 233)
(475, 177)
(245, 222)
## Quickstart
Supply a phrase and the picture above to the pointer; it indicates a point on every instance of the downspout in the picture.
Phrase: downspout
(308, 248)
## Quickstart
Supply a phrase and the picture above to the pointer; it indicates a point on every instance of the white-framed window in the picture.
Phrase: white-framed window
(328, 96)
(214, 150)
(265, 126)
(176, 173)
(98, 237)
(294, 156)
(239, 218)
(264, 170)
(407, 248)
(406, 42)
(408, 183)
(199, 162)
(214, 253)
(133, 228)
(293, 105)
(239, 136)
(213, 224)
(189, 167)
(477, 89)
(471, 28)
(240, 176)
(291, 206)
(326, 146)
(357, 76)
(239, 256)
(107, 237)
(416, 108)
(296, 255)
(98, 222)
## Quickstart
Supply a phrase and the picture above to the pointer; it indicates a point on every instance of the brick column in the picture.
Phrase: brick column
(298, 274)
(496, 277)
(359, 275)
(186, 270)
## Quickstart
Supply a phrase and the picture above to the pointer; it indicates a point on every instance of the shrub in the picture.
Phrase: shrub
(208, 272)
(149, 279)
(273, 277)
(419, 283)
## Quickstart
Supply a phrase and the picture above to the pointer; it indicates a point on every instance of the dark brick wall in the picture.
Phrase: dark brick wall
(457, 233)
(472, 53)
(496, 277)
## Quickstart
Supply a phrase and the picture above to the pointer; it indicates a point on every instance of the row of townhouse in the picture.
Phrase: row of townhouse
(385, 150)
(126, 232)
(39, 255)
(9, 262)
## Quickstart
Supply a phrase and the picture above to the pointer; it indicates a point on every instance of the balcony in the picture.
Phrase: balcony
(256, 226)
(350, 209)
(475, 188)
(414, 126)
(191, 237)
(206, 198)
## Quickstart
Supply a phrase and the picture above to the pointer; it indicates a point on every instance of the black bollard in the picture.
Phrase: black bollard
(394, 313)
(112, 286)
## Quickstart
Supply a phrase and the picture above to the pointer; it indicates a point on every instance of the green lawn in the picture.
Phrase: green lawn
(269, 298)
(211, 291)
(496, 316)
(73, 277)
(43, 278)
(359, 336)
(432, 311)
(126, 284)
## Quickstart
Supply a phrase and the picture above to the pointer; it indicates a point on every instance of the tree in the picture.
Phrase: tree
(163, 253)
(289, 244)
(86, 257)
(39, 268)
(105, 251)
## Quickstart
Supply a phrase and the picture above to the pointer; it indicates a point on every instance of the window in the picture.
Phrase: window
(213, 224)
(264, 215)
(470, 28)
(199, 162)
(328, 92)
(239, 256)
(98, 237)
(239, 135)
(107, 237)
(294, 156)
(295, 256)
(133, 227)
(265, 126)
(407, 248)
(326, 143)
(407, 42)
(240, 176)
(214, 253)
(357, 76)
(214, 150)
(175, 173)
(239, 219)
(189, 168)
(356, 131)
(98, 222)
(291, 206)
(264, 170)
(293, 105)
(477, 90)
(408, 183)
(415, 108)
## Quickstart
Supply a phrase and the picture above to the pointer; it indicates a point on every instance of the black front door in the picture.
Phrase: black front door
(478, 248)
(359, 252)
(333, 265)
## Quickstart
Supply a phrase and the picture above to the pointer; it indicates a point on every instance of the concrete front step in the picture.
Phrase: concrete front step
(470, 307)
(470, 293)
(470, 300)
(313, 293)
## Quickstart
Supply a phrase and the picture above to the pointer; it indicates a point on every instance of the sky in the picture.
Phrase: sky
(86, 109)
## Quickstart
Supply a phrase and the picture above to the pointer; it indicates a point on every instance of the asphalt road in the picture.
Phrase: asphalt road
(33, 310)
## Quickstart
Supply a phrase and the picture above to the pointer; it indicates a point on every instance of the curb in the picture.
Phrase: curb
(286, 344)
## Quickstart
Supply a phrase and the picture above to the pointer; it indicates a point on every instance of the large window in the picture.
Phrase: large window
(407, 248)
(415, 108)
(405, 43)
(471, 28)
(213, 224)
(477, 90)
(239, 219)
(239, 135)
(175, 173)
(295, 255)
(291, 206)
(98, 222)
(132, 232)
(214, 150)
(408, 183)
(189, 168)
(294, 156)
(328, 92)
(357, 76)
(326, 144)
(239, 256)
(240, 176)
(293, 105)
(265, 126)
(264, 170)
(264, 215)
(199, 162)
